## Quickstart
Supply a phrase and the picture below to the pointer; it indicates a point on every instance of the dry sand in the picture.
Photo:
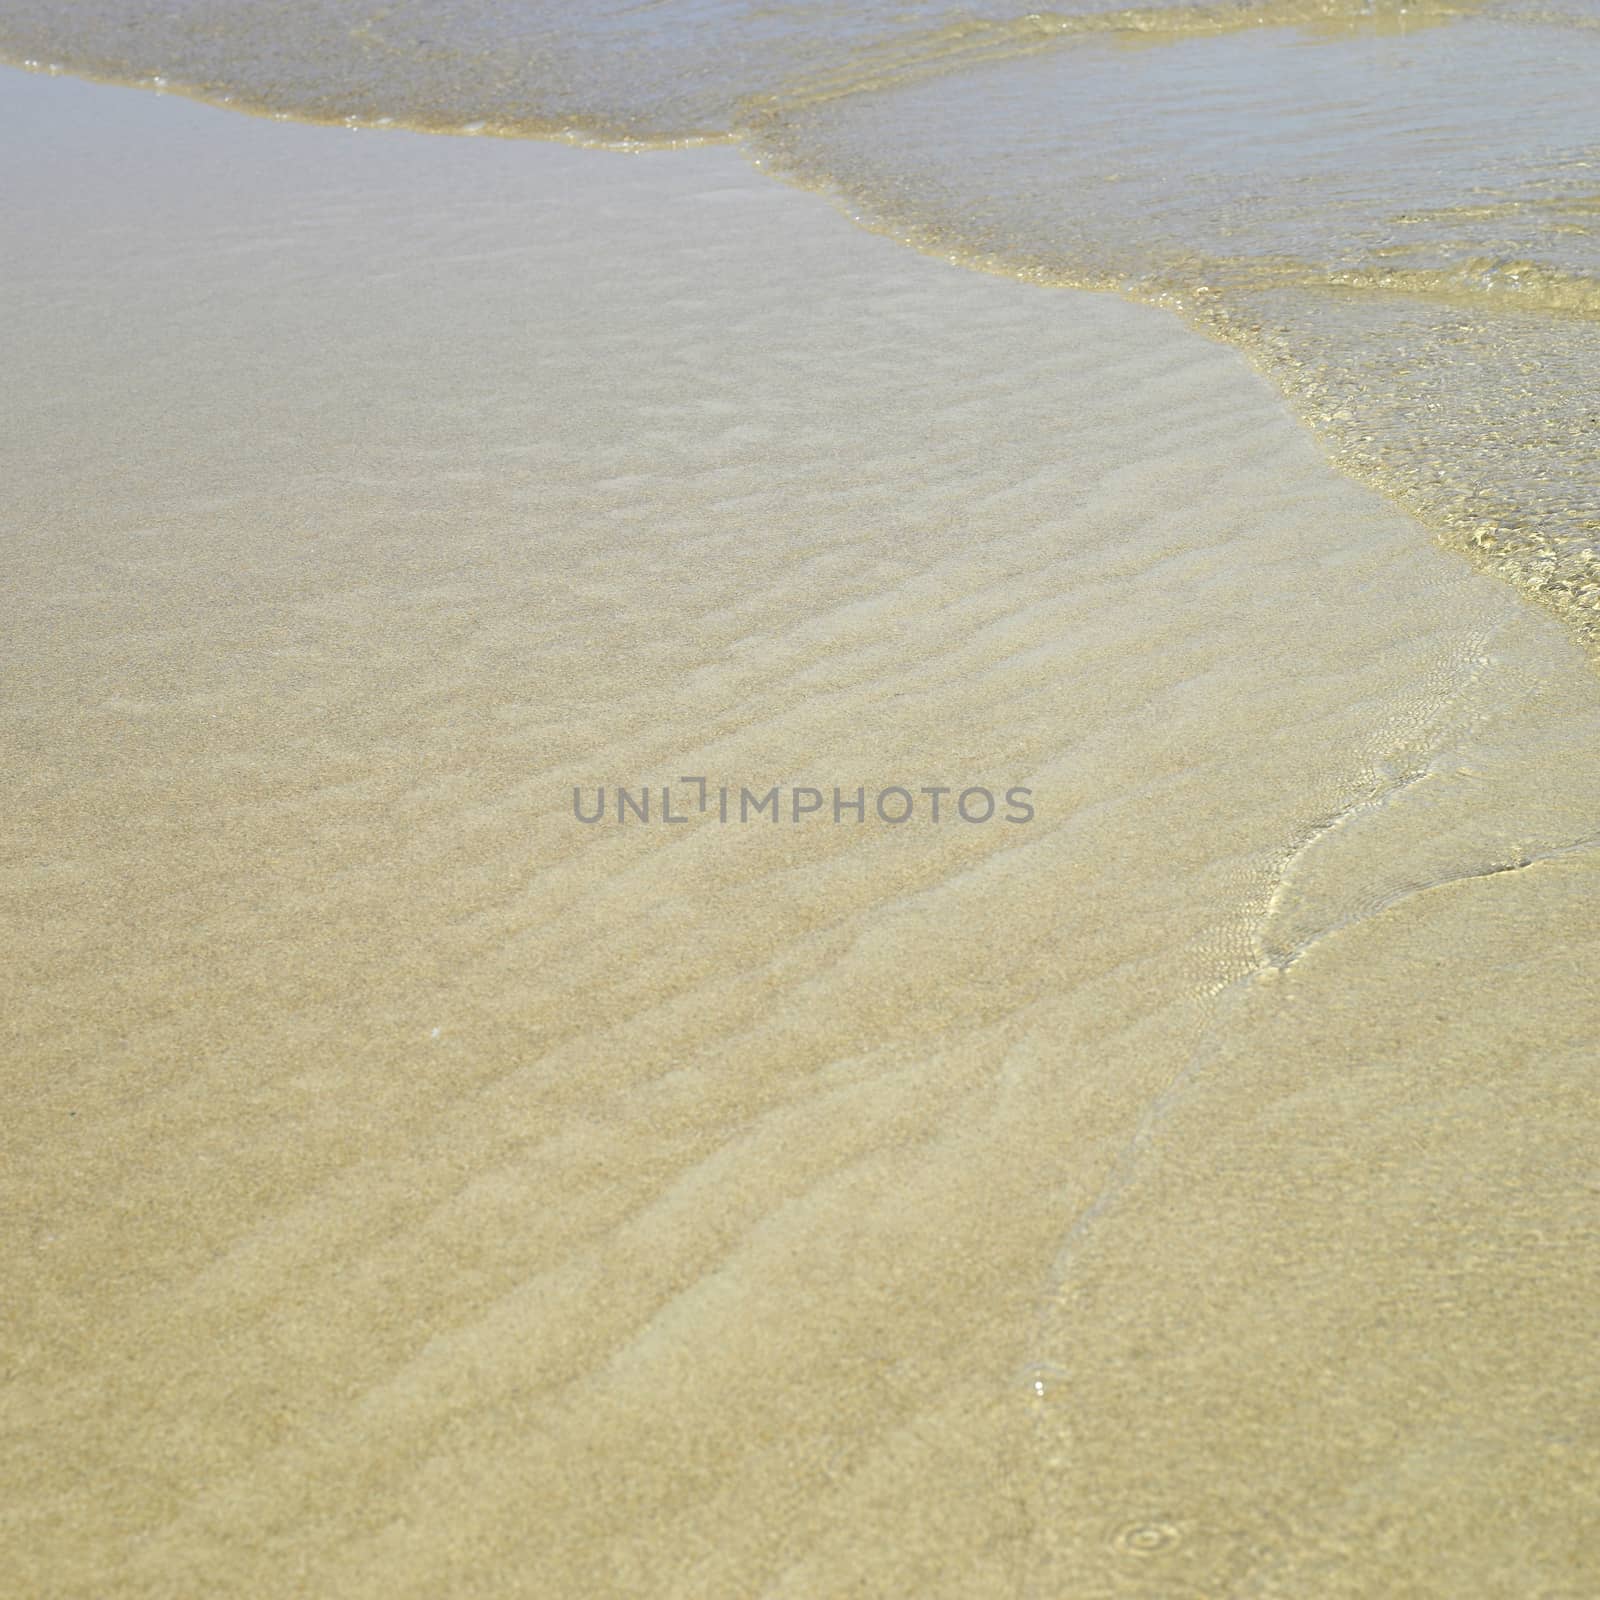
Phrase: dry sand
(411, 1190)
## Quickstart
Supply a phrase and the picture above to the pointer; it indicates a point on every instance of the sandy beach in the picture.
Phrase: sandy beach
(414, 1189)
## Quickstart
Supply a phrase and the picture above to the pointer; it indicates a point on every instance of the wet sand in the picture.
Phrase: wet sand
(415, 1190)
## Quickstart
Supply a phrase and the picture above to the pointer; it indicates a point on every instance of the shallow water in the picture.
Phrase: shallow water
(417, 1190)
(1391, 208)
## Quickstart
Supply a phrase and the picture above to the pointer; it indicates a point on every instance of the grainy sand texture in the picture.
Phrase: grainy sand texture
(413, 1190)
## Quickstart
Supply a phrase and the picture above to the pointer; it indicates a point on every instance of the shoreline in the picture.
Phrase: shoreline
(1494, 539)
(779, 1208)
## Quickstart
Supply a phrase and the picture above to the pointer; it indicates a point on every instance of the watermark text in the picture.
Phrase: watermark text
(730, 804)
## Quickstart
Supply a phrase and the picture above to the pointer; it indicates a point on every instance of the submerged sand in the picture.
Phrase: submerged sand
(414, 1190)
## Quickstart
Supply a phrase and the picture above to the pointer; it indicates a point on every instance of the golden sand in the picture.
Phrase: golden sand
(412, 1190)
